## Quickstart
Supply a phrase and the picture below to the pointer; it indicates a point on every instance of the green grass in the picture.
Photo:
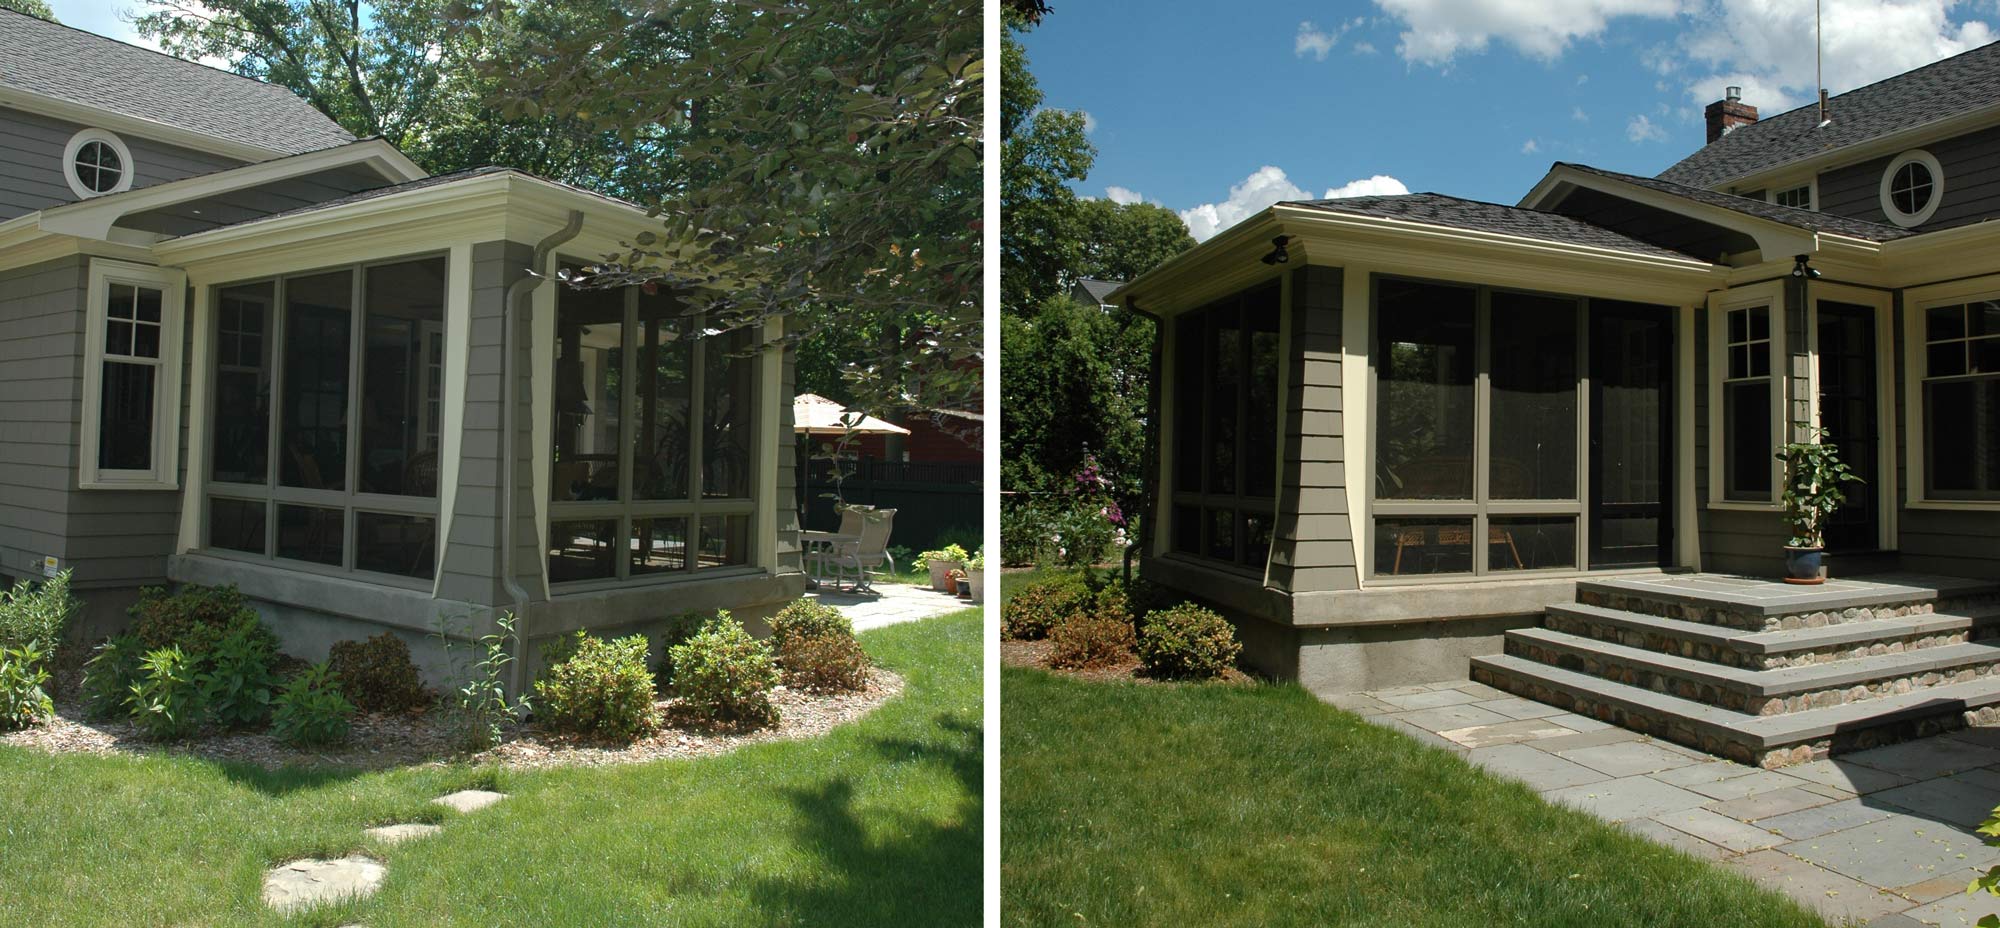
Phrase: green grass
(1128, 804)
(876, 823)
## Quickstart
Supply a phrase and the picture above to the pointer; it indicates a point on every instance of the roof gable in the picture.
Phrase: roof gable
(49, 61)
(1955, 86)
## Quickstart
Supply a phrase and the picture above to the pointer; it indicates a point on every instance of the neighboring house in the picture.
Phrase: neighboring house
(1393, 428)
(238, 345)
(931, 477)
(1096, 293)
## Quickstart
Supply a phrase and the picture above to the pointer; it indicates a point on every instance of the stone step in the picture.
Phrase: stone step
(1759, 692)
(1737, 647)
(1768, 741)
(1758, 605)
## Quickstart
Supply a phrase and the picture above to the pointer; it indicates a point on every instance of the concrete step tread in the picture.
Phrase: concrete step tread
(1761, 732)
(1781, 682)
(1759, 596)
(1788, 640)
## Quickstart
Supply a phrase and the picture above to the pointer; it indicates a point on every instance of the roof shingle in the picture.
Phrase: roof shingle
(1458, 213)
(53, 60)
(1955, 85)
(1791, 216)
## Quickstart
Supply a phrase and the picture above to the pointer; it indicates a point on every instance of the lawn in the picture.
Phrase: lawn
(876, 823)
(1146, 804)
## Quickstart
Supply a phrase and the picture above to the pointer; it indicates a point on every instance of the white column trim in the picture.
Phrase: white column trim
(451, 425)
(1356, 411)
(201, 386)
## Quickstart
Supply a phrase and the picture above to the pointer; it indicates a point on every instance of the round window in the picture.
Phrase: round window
(1911, 188)
(96, 163)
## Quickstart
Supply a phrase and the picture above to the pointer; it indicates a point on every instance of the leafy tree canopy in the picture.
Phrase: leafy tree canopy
(1041, 152)
(31, 7)
(1074, 378)
(1121, 241)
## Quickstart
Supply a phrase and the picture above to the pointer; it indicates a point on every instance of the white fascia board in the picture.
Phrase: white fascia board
(125, 124)
(1772, 237)
(95, 217)
(23, 242)
(483, 208)
(1253, 234)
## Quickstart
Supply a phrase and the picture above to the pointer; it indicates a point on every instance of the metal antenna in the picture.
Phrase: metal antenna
(1819, 75)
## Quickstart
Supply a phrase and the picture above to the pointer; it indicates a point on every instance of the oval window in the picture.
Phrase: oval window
(96, 163)
(1911, 188)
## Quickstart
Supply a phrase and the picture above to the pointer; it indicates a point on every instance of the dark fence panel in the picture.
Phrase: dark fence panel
(930, 499)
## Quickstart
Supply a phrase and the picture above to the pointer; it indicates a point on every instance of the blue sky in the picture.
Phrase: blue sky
(1218, 110)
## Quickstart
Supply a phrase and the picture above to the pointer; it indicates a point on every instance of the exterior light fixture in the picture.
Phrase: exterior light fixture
(1278, 254)
(1802, 270)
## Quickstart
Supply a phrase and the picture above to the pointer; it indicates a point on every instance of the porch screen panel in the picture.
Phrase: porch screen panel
(589, 401)
(662, 441)
(1226, 362)
(1961, 394)
(243, 377)
(728, 382)
(1534, 396)
(312, 426)
(1424, 391)
(399, 431)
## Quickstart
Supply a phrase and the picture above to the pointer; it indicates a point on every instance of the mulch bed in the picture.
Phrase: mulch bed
(1127, 670)
(399, 740)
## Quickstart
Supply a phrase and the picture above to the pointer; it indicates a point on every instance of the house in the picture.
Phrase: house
(1399, 435)
(240, 346)
(1093, 292)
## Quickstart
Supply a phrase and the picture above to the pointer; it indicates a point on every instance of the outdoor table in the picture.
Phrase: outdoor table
(817, 546)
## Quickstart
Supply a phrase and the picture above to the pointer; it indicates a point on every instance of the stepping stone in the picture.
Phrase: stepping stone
(397, 834)
(303, 883)
(470, 800)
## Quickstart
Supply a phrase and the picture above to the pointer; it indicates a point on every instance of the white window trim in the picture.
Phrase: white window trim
(85, 137)
(1812, 192)
(1772, 294)
(1915, 302)
(1888, 531)
(1930, 162)
(164, 474)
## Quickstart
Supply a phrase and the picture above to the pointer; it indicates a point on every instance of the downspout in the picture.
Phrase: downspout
(513, 310)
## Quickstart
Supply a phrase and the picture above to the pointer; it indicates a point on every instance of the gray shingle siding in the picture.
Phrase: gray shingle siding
(31, 162)
(1312, 547)
(1971, 164)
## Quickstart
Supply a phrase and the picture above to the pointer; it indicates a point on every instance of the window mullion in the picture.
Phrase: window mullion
(356, 343)
(628, 428)
(280, 322)
(1584, 484)
(1482, 427)
(697, 357)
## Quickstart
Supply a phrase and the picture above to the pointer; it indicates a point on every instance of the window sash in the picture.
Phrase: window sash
(1725, 347)
(163, 460)
(272, 492)
(627, 510)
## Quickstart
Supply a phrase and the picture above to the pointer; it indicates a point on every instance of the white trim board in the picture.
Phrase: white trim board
(172, 284)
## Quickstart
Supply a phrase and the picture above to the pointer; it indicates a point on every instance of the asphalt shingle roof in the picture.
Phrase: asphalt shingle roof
(54, 60)
(1099, 289)
(1955, 85)
(1797, 218)
(434, 180)
(1454, 212)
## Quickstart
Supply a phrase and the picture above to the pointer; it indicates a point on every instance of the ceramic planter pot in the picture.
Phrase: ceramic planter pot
(941, 575)
(1804, 565)
(976, 580)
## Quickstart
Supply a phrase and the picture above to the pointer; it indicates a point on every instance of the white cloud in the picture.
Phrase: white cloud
(1577, 113)
(1376, 186)
(1642, 129)
(1089, 122)
(1123, 196)
(1436, 31)
(1529, 147)
(1264, 186)
(1582, 79)
(1364, 48)
(1311, 40)
(1765, 46)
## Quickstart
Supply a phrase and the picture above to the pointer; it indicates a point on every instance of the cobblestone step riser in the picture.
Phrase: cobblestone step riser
(1727, 656)
(1738, 700)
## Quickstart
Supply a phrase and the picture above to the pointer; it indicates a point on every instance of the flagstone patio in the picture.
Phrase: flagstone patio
(1882, 837)
(890, 603)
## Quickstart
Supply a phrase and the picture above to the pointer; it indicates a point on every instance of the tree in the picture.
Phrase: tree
(1121, 241)
(1041, 152)
(829, 168)
(38, 8)
(1074, 380)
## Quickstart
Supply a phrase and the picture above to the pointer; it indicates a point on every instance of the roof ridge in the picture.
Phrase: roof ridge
(1874, 83)
(171, 57)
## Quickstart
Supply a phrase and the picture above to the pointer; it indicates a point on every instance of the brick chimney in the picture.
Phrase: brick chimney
(1726, 114)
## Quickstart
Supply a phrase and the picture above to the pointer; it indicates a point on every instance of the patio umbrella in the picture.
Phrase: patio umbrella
(813, 414)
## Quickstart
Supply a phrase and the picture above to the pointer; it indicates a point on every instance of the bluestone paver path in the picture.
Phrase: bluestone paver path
(1883, 837)
(889, 604)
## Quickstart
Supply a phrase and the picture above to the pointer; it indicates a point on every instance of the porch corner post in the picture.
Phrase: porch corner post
(1799, 362)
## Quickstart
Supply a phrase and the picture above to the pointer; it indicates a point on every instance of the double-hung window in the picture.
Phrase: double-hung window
(1750, 401)
(324, 439)
(132, 376)
(1961, 401)
(653, 457)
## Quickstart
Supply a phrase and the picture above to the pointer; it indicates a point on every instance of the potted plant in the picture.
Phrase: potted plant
(975, 575)
(1813, 475)
(941, 563)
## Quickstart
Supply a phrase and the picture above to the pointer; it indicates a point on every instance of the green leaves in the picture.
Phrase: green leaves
(1813, 475)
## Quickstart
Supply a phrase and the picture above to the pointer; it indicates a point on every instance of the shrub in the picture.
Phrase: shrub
(478, 710)
(603, 689)
(166, 701)
(1097, 639)
(679, 628)
(808, 618)
(1041, 605)
(311, 711)
(35, 615)
(1187, 642)
(377, 675)
(109, 675)
(951, 554)
(237, 686)
(23, 701)
(723, 674)
(824, 664)
(195, 619)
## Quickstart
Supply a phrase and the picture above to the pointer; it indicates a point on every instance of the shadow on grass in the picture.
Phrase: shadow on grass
(284, 780)
(924, 874)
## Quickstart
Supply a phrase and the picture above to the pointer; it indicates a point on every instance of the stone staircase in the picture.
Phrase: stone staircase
(1763, 672)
